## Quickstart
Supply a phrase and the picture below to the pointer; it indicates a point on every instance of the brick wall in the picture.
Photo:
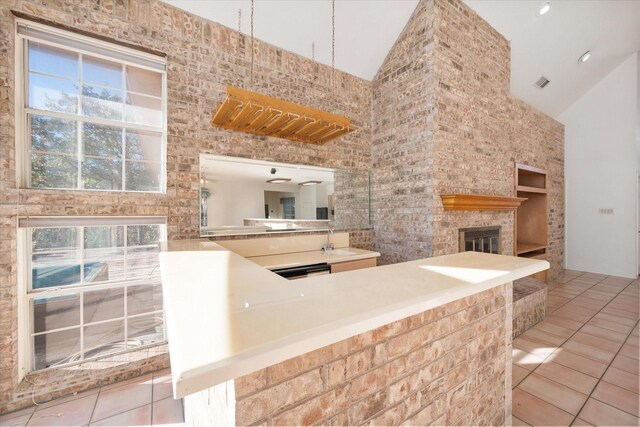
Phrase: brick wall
(464, 134)
(402, 126)
(446, 366)
(203, 57)
(438, 105)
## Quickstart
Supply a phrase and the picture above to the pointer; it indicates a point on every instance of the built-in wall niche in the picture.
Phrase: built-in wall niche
(248, 196)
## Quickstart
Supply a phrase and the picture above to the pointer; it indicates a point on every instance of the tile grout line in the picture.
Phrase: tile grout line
(583, 324)
(577, 330)
(557, 308)
(602, 376)
(615, 355)
(95, 405)
(571, 299)
(122, 412)
(153, 376)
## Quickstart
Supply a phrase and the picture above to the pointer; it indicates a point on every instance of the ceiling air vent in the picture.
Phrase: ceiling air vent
(541, 82)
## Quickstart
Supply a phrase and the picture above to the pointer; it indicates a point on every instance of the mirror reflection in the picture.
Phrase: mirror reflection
(245, 196)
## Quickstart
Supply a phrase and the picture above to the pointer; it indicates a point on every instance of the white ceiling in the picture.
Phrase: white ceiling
(366, 30)
(551, 44)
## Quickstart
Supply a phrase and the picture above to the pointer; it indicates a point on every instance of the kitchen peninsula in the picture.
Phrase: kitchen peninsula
(426, 340)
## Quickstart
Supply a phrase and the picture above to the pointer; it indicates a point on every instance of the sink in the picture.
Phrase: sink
(341, 252)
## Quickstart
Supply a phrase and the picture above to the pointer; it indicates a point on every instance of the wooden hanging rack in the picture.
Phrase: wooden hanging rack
(260, 114)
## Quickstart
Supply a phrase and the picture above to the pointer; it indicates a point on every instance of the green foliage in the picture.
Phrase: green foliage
(57, 165)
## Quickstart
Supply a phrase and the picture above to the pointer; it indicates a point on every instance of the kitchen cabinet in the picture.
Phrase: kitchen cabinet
(339, 267)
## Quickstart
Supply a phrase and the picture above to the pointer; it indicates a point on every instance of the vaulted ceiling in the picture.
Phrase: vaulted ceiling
(365, 30)
(550, 45)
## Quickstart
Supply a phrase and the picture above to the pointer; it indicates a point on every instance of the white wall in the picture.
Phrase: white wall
(232, 201)
(601, 166)
(638, 165)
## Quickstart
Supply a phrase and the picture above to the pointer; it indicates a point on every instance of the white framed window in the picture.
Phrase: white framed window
(91, 115)
(91, 287)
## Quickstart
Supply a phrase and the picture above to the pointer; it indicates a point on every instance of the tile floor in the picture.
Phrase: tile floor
(142, 401)
(577, 367)
(580, 365)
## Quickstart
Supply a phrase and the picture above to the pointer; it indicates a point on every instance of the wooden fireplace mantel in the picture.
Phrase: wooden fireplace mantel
(480, 202)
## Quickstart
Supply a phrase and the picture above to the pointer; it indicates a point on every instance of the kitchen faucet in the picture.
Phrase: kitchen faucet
(328, 246)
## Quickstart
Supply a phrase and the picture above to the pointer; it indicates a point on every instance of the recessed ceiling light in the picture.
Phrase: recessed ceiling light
(278, 180)
(585, 56)
(546, 6)
(310, 182)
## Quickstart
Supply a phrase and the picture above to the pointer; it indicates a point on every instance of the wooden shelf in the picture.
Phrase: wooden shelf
(480, 202)
(527, 189)
(531, 228)
(252, 112)
(523, 248)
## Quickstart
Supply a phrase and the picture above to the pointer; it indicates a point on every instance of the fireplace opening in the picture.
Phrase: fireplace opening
(480, 239)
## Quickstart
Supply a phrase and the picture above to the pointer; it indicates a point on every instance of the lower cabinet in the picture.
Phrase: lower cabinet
(339, 267)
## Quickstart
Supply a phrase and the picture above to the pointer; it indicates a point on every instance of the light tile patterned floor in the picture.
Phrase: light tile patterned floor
(580, 365)
(577, 367)
(141, 401)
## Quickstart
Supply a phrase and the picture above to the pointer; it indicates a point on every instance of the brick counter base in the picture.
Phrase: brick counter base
(450, 365)
(529, 304)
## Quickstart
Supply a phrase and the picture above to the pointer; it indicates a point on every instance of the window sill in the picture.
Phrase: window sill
(50, 384)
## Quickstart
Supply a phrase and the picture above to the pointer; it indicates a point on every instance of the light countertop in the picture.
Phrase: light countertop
(312, 257)
(227, 316)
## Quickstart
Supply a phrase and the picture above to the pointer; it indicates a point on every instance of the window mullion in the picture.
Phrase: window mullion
(79, 137)
(82, 325)
(124, 97)
(125, 249)
(126, 316)
(82, 255)
(94, 120)
(77, 117)
(26, 120)
(124, 274)
(81, 292)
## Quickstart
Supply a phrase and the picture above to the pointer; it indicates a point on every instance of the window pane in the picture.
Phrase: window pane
(52, 93)
(143, 109)
(102, 72)
(55, 269)
(60, 257)
(102, 141)
(102, 174)
(56, 348)
(142, 176)
(56, 313)
(51, 60)
(103, 237)
(141, 145)
(142, 235)
(143, 299)
(144, 81)
(102, 102)
(101, 265)
(104, 304)
(53, 135)
(145, 330)
(143, 263)
(103, 338)
(54, 238)
(54, 171)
